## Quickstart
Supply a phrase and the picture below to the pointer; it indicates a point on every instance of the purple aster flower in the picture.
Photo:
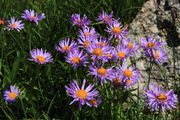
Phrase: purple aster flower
(101, 42)
(66, 46)
(15, 24)
(117, 79)
(11, 95)
(40, 56)
(158, 55)
(160, 99)
(150, 43)
(110, 55)
(104, 17)
(94, 102)
(87, 32)
(133, 47)
(83, 95)
(32, 16)
(76, 58)
(2, 22)
(100, 72)
(77, 20)
(97, 51)
(130, 82)
(85, 42)
(117, 30)
(122, 52)
(130, 74)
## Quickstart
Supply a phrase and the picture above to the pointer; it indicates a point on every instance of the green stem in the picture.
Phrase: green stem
(38, 73)
(23, 108)
(50, 105)
(98, 23)
(20, 46)
(39, 86)
(76, 72)
(114, 103)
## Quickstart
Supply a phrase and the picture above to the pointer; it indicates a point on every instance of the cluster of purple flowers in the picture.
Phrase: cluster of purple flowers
(96, 54)
(15, 24)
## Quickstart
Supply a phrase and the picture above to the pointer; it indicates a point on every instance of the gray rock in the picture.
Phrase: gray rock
(161, 21)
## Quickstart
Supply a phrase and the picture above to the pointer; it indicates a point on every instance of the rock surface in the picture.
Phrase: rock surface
(161, 20)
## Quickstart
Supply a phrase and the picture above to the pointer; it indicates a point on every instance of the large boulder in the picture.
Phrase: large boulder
(161, 20)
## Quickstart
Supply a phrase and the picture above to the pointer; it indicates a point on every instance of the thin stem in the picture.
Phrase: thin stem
(149, 72)
(174, 66)
(24, 111)
(98, 23)
(114, 102)
(76, 73)
(51, 103)
(16, 41)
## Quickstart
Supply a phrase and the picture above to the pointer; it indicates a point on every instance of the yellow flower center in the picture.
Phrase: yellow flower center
(87, 34)
(157, 55)
(116, 81)
(76, 60)
(116, 30)
(33, 17)
(128, 73)
(12, 95)
(66, 48)
(130, 45)
(86, 44)
(121, 54)
(13, 25)
(40, 59)
(97, 51)
(101, 44)
(78, 21)
(1, 22)
(93, 101)
(106, 18)
(81, 94)
(162, 97)
(102, 71)
(128, 81)
(151, 45)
